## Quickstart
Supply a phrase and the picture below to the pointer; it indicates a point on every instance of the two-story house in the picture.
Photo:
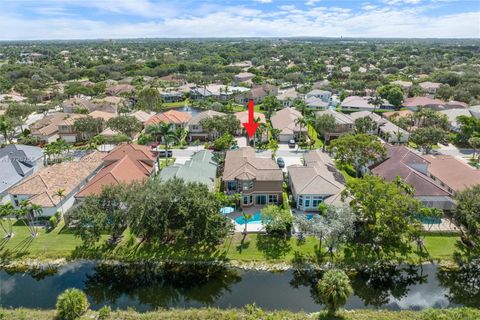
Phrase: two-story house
(195, 129)
(344, 123)
(258, 180)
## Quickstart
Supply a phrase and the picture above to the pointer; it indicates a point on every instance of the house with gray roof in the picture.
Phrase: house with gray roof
(317, 181)
(453, 114)
(16, 163)
(325, 96)
(344, 122)
(195, 129)
(316, 103)
(202, 168)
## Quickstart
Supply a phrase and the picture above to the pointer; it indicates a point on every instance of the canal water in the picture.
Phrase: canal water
(146, 287)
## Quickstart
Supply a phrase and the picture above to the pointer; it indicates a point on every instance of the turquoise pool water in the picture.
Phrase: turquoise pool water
(256, 218)
(428, 220)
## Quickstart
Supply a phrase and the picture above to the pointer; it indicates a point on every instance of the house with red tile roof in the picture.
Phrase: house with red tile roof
(451, 173)
(125, 164)
(179, 119)
(413, 169)
(41, 187)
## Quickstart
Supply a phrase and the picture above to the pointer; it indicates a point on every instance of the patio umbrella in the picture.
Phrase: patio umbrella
(226, 210)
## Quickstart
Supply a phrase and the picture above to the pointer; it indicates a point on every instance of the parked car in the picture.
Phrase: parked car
(291, 143)
(161, 153)
(281, 162)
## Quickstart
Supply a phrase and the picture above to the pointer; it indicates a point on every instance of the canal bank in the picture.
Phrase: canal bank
(149, 286)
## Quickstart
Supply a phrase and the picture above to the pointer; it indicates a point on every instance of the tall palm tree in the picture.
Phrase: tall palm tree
(302, 123)
(61, 194)
(28, 213)
(6, 210)
(166, 132)
(5, 127)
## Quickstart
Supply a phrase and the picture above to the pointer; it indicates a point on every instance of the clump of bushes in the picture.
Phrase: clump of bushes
(55, 219)
(104, 313)
(71, 304)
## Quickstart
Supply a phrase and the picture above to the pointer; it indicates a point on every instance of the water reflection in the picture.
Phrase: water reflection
(159, 286)
(148, 286)
(463, 284)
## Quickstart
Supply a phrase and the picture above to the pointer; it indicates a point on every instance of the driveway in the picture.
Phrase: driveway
(183, 155)
(463, 154)
(291, 156)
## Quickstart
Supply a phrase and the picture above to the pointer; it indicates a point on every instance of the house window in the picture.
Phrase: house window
(260, 199)
(272, 199)
(300, 201)
(15, 201)
(232, 185)
(307, 202)
(195, 127)
(247, 200)
(316, 200)
(246, 185)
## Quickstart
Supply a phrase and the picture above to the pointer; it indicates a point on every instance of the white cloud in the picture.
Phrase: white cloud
(311, 2)
(263, 1)
(241, 21)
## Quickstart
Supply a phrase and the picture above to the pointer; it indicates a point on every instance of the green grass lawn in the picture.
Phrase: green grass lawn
(312, 133)
(175, 104)
(61, 243)
(441, 246)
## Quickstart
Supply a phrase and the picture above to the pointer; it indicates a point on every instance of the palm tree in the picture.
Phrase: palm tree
(377, 102)
(5, 127)
(474, 142)
(246, 217)
(302, 123)
(61, 194)
(334, 289)
(163, 131)
(28, 212)
(6, 210)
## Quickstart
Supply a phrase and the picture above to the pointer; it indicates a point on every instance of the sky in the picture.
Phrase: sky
(111, 19)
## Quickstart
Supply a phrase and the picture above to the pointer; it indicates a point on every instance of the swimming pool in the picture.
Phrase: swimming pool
(428, 220)
(309, 216)
(255, 219)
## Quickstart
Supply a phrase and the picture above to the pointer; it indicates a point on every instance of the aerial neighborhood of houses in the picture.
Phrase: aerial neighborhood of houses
(143, 152)
(123, 128)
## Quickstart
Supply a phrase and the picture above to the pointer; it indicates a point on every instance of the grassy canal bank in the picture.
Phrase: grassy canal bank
(61, 243)
(251, 313)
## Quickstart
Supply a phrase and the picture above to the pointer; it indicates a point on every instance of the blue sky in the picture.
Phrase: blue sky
(90, 19)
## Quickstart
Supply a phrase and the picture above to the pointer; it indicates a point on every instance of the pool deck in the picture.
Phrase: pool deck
(445, 226)
(251, 227)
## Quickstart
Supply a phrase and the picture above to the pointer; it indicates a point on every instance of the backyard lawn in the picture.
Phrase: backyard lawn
(312, 133)
(61, 243)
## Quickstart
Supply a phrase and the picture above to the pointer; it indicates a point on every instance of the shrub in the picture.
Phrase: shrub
(104, 313)
(71, 304)
(53, 221)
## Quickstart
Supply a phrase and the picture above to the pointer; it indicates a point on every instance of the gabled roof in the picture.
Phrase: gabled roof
(284, 120)
(244, 164)
(422, 101)
(401, 162)
(201, 168)
(243, 116)
(137, 152)
(42, 185)
(360, 102)
(340, 118)
(454, 173)
(16, 162)
(142, 116)
(195, 120)
(170, 116)
(316, 102)
(124, 171)
(317, 177)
